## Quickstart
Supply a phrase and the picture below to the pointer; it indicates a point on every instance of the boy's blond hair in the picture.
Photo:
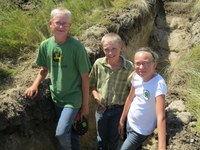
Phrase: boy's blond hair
(112, 37)
(61, 10)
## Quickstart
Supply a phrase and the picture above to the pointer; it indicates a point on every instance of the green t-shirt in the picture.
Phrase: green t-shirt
(66, 63)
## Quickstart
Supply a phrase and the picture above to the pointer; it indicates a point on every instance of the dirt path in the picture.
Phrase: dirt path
(172, 35)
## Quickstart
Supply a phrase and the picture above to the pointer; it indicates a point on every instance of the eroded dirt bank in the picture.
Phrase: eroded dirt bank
(169, 28)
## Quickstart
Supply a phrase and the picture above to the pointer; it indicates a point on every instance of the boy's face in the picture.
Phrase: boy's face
(144, 65)
(112, 50)
(60, 24)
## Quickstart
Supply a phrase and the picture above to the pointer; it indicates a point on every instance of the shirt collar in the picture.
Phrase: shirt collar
(123, 59)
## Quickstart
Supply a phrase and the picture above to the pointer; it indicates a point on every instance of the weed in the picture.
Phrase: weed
(187, 69)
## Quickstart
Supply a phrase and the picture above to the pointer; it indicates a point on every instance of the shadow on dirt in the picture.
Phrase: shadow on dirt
(5, 76)
(173, 125)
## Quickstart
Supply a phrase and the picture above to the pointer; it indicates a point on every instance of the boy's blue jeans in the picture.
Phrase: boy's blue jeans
(68, 140)
(134, 140)
(107, 128)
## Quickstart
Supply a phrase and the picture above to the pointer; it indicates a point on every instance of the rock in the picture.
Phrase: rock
(176, 106)
(185, 117)
(178, 41)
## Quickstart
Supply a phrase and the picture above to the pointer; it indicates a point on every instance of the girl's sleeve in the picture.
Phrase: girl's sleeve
(161, 88)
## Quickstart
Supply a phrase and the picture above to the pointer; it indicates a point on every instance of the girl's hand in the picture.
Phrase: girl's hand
(121, 129)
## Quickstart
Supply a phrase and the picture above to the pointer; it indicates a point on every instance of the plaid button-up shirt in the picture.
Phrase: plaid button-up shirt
(112, 85)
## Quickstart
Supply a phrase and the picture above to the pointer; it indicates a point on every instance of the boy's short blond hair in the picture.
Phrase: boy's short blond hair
(112, 37)
(61, 10)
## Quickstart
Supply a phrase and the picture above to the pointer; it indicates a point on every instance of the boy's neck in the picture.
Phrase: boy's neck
(115, 65)
(61, 39)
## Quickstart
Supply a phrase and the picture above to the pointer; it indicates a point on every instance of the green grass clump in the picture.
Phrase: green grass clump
(187, 70)
(19, 29)
(5, 77)
(196, 8)
(3, 74)
(84, 15)
(144, 5)
(27, 28)
(23, 28)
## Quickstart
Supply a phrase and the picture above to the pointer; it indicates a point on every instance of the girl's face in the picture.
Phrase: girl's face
(112, 50)
(144, 65)
(60, 24)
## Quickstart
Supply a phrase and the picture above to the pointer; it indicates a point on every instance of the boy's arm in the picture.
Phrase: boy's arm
(32, 91)
(127, 105)
(95, 94)
(161, 122)
(85, 91)
(99, 105)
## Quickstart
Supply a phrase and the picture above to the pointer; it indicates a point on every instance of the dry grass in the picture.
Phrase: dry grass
(144, 5)
(196, 8)
(184, 75)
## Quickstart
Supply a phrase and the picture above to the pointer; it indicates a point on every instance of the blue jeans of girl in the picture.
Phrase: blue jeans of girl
(67, 139)
(133, 140)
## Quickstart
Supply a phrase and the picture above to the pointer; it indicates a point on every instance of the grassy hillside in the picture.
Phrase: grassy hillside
(22, 30)
(186, 70)
(23, 27)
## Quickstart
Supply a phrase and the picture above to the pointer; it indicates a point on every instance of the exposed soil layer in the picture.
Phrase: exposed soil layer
(170, 29)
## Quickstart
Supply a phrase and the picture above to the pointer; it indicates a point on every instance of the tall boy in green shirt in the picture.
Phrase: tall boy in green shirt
(66, 60)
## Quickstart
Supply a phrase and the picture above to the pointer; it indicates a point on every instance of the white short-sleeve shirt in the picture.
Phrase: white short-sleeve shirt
(142, 112)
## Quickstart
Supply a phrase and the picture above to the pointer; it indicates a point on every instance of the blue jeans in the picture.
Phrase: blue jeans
(67, 139)
(107, 128)
(134, 140)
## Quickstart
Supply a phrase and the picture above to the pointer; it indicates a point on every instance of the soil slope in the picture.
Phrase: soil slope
(26, 123)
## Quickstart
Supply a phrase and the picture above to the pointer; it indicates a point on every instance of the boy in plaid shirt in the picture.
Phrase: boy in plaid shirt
(110, 87)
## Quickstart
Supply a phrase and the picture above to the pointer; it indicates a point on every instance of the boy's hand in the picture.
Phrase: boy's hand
(100, 106)
(99, 103)
(84, 111)
(31, 92)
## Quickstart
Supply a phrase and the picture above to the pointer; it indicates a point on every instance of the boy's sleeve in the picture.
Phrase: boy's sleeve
(41, 59)
(93, 76)
(84, 61)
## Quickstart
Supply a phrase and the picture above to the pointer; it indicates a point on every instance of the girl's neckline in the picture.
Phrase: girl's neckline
(152, 77)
